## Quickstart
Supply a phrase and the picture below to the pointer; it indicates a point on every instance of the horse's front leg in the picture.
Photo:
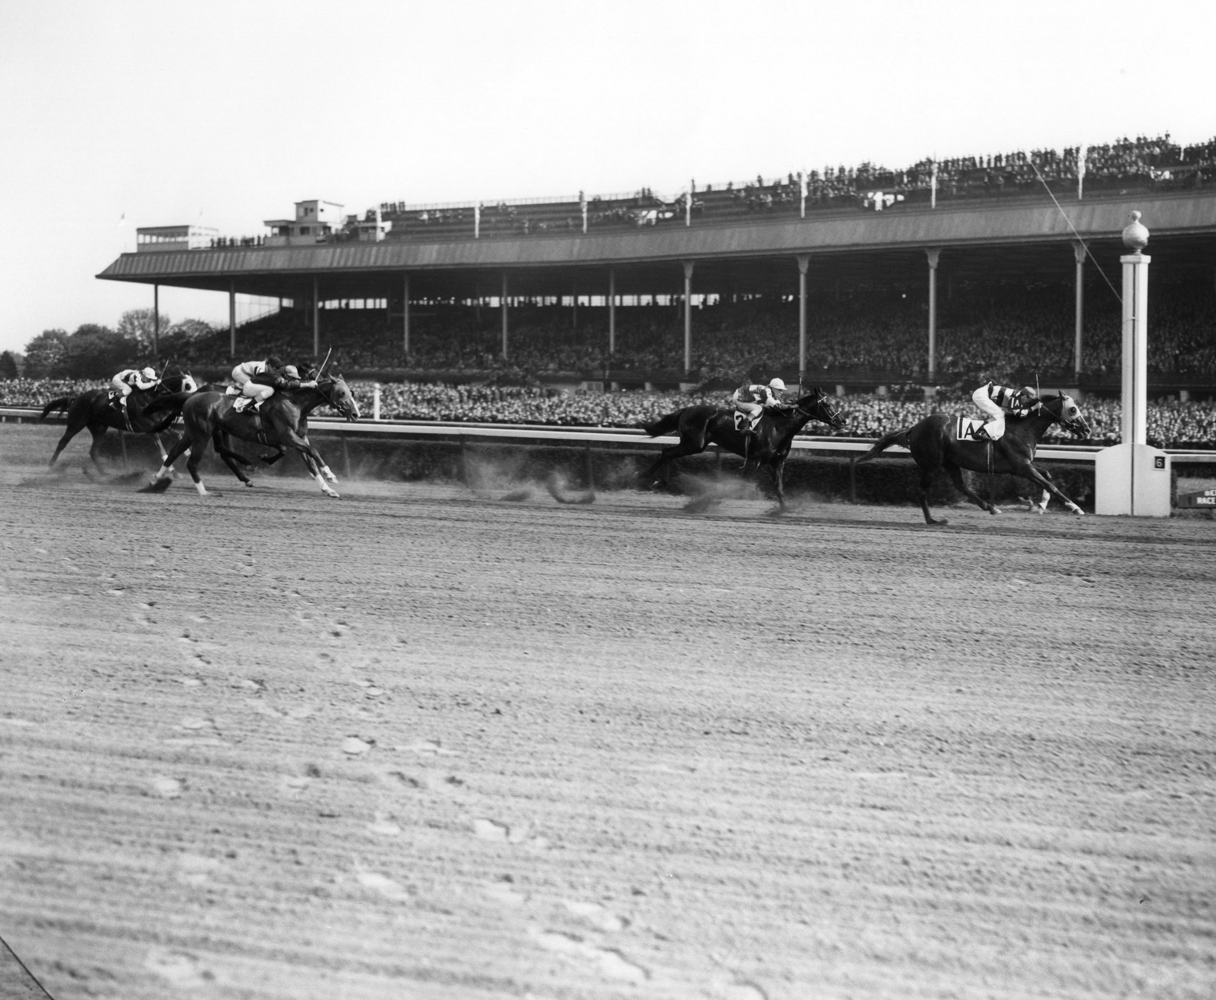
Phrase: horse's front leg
(1043, 480)
(779, 480)
(312, 460)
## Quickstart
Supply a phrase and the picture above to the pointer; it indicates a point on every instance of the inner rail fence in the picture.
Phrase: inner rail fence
(621, 438)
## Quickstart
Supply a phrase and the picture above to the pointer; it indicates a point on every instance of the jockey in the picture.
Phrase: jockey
(133, 378)
(262, 385)
(995, 400)
(752, 400)
(242, 373)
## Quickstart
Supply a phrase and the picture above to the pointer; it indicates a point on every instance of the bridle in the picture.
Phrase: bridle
(821, 403)
(327, 397)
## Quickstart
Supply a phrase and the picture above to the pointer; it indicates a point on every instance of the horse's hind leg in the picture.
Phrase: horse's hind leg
(228, 456)
(98, 431)
(956, 476)
(72, 430)
(926, 480)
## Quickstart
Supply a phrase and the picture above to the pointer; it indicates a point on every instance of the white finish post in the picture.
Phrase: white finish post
(934, 256)
(688, 266)
(1135, 346)
(1079, 254)
(232, 317)
(503, 302)
(1133, 477)
(405, 312)
(156, 321)
(804, 261)
(612, 310)
(316, 317)
(376, 401)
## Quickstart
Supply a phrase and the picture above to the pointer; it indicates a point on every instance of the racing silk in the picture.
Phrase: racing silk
(133, 378)
(755, 395)
(994, 400)
(750, 403)
(276, 380)
(1002, 395)
(244, 372)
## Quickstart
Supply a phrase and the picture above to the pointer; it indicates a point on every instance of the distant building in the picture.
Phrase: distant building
(321, 222)
(164, 238)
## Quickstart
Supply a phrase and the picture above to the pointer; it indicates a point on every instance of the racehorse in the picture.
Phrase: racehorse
(282, 423)
(699, 426)
(935, 444)
(94, 409)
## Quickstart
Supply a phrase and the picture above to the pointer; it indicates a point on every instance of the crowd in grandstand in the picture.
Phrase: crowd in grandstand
(1149, 161)
(1171, 424)
(992, 331)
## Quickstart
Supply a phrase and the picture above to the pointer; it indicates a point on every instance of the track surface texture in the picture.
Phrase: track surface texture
(422, 742)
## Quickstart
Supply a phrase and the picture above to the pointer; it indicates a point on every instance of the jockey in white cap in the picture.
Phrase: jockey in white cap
(751, 401)
(995, 400)
(133, 378)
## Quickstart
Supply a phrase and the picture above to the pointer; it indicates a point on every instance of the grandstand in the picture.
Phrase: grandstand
(858, 276)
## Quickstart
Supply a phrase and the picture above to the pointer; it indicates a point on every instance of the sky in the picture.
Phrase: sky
(116, 114)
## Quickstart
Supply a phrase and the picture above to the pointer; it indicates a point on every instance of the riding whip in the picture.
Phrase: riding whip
(324, 363)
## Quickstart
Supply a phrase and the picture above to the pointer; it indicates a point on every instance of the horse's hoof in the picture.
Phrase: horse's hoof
(994, 510)
(248, 483)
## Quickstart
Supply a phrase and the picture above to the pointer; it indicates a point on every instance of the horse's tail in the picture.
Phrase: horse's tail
(172, 402)
(899, 437)
(664, 425)
(62, 403)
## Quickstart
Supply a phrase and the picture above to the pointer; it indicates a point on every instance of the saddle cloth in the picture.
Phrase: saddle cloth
(967, 428)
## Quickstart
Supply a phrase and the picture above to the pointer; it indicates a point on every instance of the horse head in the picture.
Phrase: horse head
(1069, 416)
(178, 380)
(338, 395)
(817, 406)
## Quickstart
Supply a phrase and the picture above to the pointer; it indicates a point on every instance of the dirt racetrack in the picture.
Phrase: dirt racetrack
(419, 743)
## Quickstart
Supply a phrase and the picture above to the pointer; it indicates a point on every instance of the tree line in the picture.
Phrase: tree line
(95, 352)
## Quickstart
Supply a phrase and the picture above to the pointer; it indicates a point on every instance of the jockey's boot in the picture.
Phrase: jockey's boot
(981, 433)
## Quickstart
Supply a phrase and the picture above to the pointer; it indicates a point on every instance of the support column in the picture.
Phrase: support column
(405, 312)
(503, 302)
(612, 310)
(804, 261)
(316, 317)
(232, 318)
(1078, 251)
(934, 256)
(688, 266)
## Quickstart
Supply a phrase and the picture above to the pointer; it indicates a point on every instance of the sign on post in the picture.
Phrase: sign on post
(1200, 498)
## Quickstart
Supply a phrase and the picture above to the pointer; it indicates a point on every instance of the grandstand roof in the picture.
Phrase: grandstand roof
(1010, 239)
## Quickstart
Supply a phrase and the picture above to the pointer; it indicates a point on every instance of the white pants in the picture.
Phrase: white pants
(995, 425)
(255, 390)
(239, 375)
(122, 387)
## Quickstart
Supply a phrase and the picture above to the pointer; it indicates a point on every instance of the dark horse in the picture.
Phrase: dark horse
(935, 444)
(700, 426)
(282, 423)
(94, 409)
